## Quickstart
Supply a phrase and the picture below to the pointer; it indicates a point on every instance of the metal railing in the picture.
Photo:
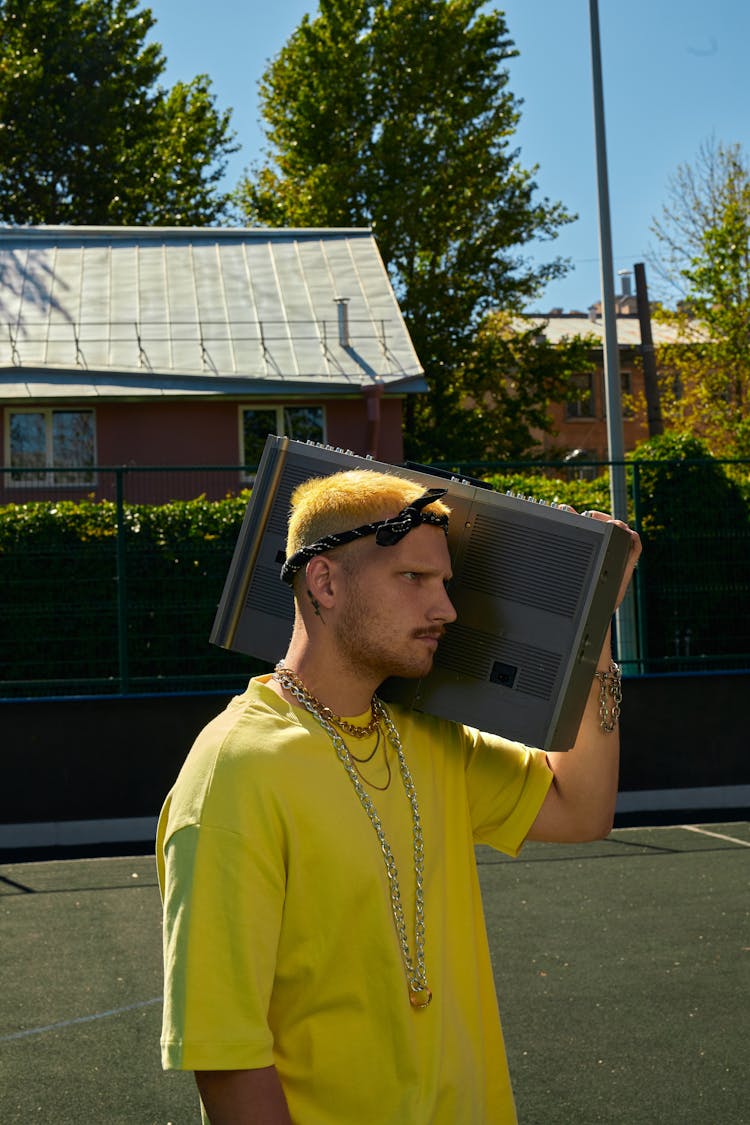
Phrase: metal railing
(113, 589)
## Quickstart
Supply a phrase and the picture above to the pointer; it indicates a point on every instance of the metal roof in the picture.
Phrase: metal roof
(149, 310)
(628, 329)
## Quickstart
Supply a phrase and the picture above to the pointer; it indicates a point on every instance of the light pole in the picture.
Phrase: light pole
(627, 636)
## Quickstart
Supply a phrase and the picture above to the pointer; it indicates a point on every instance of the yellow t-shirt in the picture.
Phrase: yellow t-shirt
(279, 940)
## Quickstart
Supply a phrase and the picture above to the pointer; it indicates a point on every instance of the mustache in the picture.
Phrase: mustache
(437, 632)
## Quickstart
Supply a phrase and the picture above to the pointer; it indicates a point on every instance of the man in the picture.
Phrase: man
(326, 960)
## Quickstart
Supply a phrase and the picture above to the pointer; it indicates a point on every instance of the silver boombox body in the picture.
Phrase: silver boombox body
(534, 588)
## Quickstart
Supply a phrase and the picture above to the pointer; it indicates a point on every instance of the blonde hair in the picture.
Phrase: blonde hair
(329, 505)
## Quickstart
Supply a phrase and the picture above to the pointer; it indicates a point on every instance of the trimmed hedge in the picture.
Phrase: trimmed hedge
(64, 572)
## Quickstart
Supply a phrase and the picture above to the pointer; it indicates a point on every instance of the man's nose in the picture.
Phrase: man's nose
(444, 610)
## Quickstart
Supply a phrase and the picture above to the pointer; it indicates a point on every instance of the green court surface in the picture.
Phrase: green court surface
(622, 967)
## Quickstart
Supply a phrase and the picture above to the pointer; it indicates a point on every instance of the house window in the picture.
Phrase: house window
(580, 404)
(60, 441)
(626, 396)
(303, 423)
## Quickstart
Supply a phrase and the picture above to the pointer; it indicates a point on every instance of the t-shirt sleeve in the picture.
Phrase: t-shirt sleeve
(223, 904)
(506, 785)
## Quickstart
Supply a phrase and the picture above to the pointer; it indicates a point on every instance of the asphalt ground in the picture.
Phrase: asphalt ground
(622, 967)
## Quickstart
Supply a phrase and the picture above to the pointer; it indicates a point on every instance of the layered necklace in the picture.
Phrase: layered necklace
(419, 993)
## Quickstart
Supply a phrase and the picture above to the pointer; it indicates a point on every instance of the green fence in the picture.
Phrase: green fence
(112, 587)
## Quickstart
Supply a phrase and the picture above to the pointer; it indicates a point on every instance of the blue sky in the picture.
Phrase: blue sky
(675, 73)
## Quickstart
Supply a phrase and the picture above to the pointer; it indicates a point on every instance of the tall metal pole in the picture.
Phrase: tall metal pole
(627, 646)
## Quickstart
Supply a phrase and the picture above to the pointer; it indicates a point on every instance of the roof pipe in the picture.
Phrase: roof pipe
(343, 309)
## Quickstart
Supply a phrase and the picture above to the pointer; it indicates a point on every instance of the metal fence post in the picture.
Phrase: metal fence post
(639, 583)
(122, 585)
(626, 628)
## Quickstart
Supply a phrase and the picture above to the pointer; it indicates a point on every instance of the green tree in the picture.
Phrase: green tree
(397, 115)
(87, 134)
(704, 237)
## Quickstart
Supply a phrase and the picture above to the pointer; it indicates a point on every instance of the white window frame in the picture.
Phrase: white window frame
(280, 425)
(26, 477)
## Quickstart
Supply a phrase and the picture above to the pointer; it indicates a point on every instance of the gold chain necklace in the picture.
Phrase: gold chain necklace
(320, 708)
(416, 975)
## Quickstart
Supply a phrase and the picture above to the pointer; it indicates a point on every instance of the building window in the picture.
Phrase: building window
(627, 403)
(58, 441)
(580, 403)
(303, 423)
(626, 394)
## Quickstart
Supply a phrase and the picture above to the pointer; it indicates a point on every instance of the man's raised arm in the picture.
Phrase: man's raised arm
(580, 803)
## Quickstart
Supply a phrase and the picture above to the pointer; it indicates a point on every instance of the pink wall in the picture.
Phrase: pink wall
(184, 433)
(206, 433)
(347, 427)
(167, 433)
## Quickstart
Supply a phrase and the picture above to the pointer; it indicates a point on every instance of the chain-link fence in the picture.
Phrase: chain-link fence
(115, 591)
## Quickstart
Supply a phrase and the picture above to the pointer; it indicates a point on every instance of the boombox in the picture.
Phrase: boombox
(534, 587)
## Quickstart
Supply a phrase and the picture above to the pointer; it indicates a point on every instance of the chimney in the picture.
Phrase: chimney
(624, 276)
(342, 303)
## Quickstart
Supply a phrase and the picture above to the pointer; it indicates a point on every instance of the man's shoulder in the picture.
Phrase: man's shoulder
(251, 726)
(239, 760)
(442, 738)
(452, 736)
(430, 724)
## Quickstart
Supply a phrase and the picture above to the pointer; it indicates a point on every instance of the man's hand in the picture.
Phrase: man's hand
(635, 550)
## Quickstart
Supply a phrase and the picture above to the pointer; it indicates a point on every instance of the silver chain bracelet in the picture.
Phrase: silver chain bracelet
(610, 696)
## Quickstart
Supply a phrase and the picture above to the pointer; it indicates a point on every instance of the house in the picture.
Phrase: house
(162, 347)
(581, 421)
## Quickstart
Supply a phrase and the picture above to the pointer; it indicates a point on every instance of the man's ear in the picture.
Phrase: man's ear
(320, 577)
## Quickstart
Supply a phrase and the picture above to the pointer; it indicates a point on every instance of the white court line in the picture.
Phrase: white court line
(80, 1019)
(718, 835)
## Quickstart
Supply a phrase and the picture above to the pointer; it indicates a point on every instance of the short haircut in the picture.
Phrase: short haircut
(327, 505)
